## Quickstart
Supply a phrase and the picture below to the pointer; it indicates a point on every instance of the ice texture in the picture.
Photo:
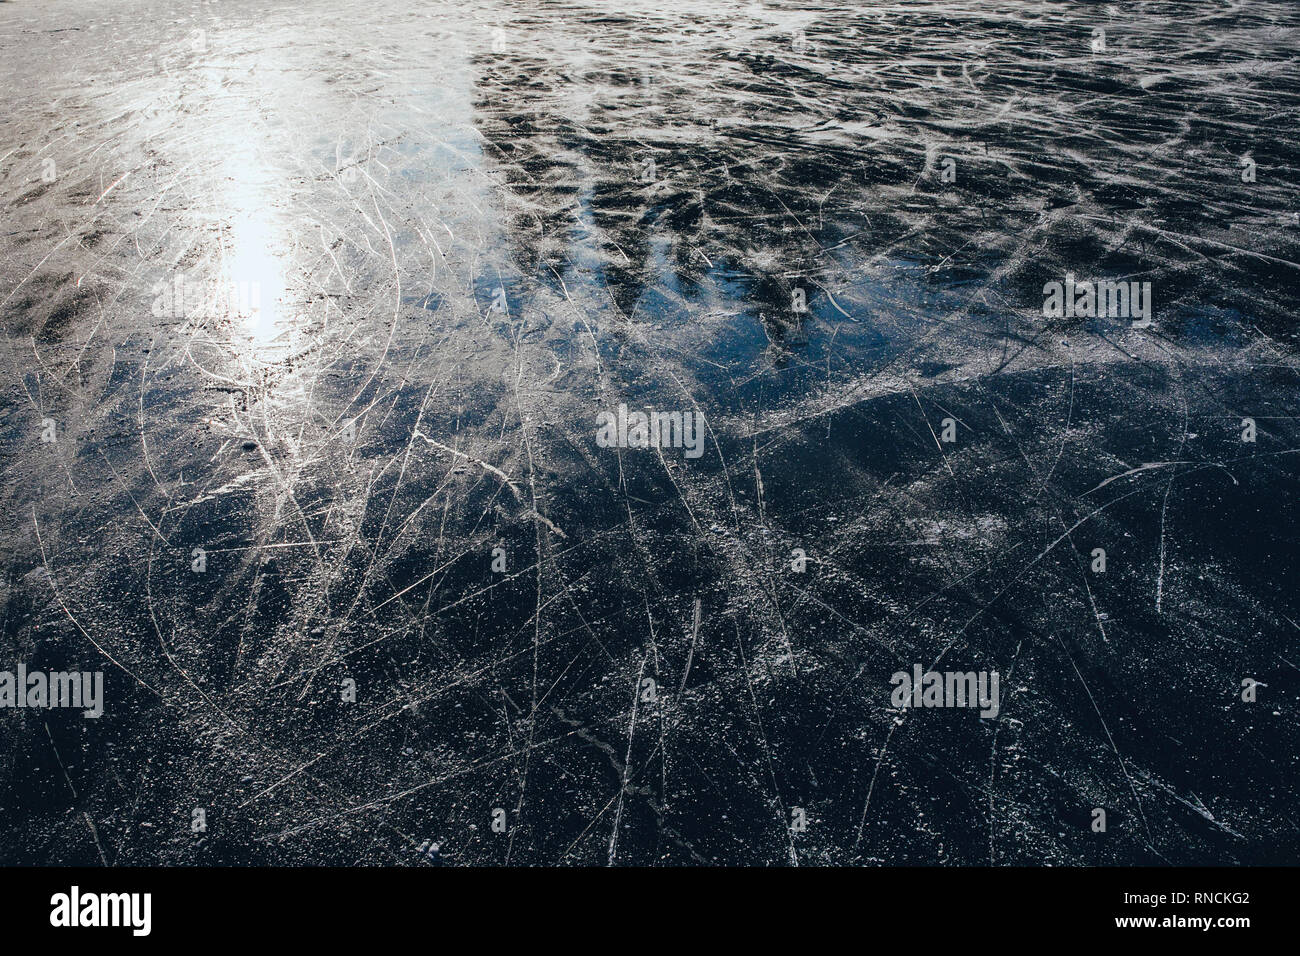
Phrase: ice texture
(423, 245)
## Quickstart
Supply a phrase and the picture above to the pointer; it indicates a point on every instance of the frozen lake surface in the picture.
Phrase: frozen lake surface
(321, 304)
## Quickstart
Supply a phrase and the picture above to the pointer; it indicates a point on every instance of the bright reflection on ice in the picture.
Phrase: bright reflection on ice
(252, 267)
(253, 275)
